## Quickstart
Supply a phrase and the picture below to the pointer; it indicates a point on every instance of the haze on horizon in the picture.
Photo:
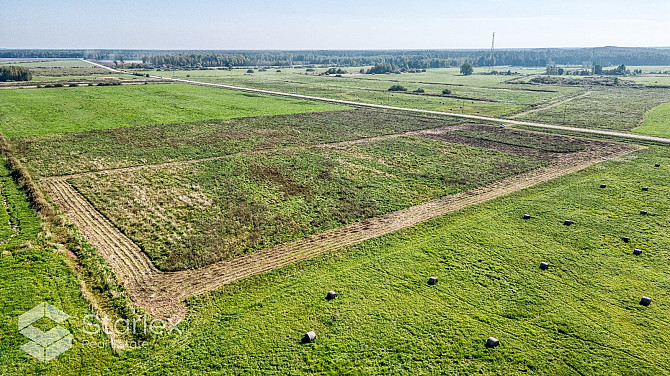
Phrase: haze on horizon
(317, 24)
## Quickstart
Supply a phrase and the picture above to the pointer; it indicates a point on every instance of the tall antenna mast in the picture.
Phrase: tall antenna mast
(493, 40)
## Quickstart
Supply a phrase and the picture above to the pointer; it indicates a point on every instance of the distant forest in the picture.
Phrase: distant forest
(409, 59)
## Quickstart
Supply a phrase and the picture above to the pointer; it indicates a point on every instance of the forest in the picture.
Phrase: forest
(407, 59)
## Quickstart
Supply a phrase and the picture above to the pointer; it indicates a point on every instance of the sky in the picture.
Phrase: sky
(345, 24)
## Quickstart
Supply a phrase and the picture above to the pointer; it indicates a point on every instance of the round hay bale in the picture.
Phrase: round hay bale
(568, 222)
(645, 301)
(625, 239)
(544, 265)
(432, 280)
(643, 212)
(492, 342)
(603, 185)
(309, 337)
(526, 216)
(331, 295)
(645, 188)
(637, 251)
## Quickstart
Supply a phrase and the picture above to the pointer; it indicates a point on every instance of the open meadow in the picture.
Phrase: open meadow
(599, 107)
(235, 213)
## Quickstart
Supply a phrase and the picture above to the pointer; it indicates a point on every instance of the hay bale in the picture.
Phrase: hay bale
(645, 188)
(568, 222)
(331, 295)
(432, 280)
(637, 251)
(492, 342)
(645, 301)
(643, 212)
(603, 185)
(625, 239)
(544, 265)
(526, 216)
(309, 337)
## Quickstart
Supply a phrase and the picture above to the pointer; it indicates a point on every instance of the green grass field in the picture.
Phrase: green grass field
(67, 153)
(656, 122)
(192, 215)
(476, 94)
(615, 108)
(31, 272)
(619, 109)
(61, 110)
(52, 70)
(580, 316)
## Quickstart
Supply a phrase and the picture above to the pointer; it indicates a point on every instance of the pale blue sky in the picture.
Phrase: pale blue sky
(316, 24)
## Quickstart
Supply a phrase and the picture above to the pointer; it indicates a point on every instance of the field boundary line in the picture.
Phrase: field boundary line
(336, 144)
(551, 104)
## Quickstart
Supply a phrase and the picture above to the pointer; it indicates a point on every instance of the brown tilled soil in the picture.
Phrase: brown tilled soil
(162, 294)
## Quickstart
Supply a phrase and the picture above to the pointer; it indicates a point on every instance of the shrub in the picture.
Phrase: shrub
(419, 90)
(250, 71)
(335, 71)
(397, 88)
(14, 73)
(446, 91)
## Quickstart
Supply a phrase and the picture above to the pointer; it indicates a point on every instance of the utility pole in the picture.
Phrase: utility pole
(493, 40)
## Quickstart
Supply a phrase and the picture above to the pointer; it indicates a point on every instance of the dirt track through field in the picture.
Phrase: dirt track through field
(551, 105)
(162, 294)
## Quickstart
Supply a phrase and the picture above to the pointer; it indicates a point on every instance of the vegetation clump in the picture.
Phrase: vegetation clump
(15, 73)
(335, 71)
(397, 88)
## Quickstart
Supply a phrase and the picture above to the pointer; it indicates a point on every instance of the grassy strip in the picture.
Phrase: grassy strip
(656, 122)
(593, 136)
(25, 181)
(94, 269)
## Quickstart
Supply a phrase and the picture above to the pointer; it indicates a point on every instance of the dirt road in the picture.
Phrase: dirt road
(372, 105)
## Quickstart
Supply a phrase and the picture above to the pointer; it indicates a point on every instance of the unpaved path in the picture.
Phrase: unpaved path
(442, 113)
(550, 105)
(162, 294)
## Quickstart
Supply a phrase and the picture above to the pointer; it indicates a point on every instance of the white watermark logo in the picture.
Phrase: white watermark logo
(45, 345)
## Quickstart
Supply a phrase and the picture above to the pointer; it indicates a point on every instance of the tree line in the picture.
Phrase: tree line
(402, 59)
